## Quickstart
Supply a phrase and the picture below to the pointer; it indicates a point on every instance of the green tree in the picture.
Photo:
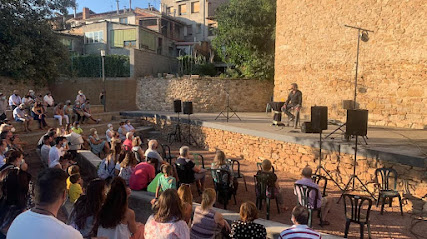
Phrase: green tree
(29, 49)
(245, 36)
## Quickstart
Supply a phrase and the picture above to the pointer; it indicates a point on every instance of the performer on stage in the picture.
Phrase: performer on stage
(294, 101)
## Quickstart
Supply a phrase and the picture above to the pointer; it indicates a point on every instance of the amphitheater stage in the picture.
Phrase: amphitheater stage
(404, 146)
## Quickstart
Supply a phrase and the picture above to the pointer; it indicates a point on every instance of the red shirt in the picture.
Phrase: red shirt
(143, 174)
(127, 144)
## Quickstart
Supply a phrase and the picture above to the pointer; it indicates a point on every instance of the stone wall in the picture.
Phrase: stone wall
(121, 92)
(146, 63)
(207, 94)
(314, 49)
(7, 86)
(292, 158)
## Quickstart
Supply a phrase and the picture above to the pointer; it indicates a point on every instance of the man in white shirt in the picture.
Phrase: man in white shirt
(40, 222)
(48, 99)
(20, 116)
(55, 151)
(152, 147)
(45, 150)
(14, 100)
(299, 229)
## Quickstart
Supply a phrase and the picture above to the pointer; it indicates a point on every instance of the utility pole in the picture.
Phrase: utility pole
(118, 9)
(130, 5)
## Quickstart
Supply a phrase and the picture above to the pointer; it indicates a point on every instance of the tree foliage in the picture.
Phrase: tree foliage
(245, 36)
(29, 49)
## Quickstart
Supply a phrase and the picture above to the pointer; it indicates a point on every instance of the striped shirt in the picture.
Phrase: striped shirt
(300, 232)
(204, 225)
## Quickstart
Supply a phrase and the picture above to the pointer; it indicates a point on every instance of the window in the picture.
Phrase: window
(195, 7)
(211, 29)
(148, 22)
(182, 9)
(189, 30)
(119, 38)
(199, 28)
(124, 20)
(170, 10)
(130, 44)
(94, 37)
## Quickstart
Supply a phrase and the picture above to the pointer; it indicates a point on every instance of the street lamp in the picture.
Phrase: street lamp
(104, 99)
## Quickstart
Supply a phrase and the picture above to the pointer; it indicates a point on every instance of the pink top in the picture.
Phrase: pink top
(168, 230)
(143, 174)
(310, 183)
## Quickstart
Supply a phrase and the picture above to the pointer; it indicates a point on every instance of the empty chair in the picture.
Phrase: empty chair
(318, 179)
(166, 153)
(386, 190)
(199, 159)
(305, 198)
(355, 212)
(235, 167)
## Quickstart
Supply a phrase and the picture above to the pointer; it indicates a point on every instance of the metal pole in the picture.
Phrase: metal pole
(357, 68)
(355, 161)
(103, 80)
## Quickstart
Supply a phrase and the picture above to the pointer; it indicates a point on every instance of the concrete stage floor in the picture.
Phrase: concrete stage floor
(407, 146)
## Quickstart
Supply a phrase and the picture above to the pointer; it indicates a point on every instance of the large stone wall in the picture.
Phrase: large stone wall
(121, 92)
(314, 49)
(7, 86)
(207, 94)
(291, 158)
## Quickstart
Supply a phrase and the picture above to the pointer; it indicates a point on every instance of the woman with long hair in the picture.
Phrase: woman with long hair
(87, 207)
(206, 222)
(14, 196)
(127, 166)
(107, 167)
(184, 193)
(136, 149)
(116, 220)
(167, 221)
(39, 114)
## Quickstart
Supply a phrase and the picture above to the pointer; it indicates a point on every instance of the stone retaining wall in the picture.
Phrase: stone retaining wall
(207, 94)
(7, 86)
(292, 158)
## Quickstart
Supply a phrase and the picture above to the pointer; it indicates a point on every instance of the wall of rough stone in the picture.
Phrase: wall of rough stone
(121, 92)
(7, 86)
(207, 94)
(292, 158)
(314, 49)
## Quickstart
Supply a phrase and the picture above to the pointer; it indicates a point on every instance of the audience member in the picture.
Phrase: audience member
(167, 220)
(15, 159)
(324, 203)
(97, 145)
(192, 171)
(166, 180)
(28, 101)
(77, 108)
(44, 151)
(60, 131)
(143, 174)
(122, 131)
(116, 219)
(127, 166)
(10, 139)
(87, 111)
(3, 147)
(246, 227)
(136, 149)
(184, 193)
(102, 98)
(14, 196)
(76, 187)
(75, 140)
(51, 132)
(73, 169)
(59, 114)
(267, 177)
(39, 114)
(206, 222)
(107, 166)
(76, 128)
(3, 107)
(127, 144)
(40, 222)
(48, 100)
(55, 153)
(220, 163)
(20, 116)
(152, 147)
(81, 98)
(15, 100)
(129, 127)
(87, 207)
(300, 229)
(68, 111)
(109, 133)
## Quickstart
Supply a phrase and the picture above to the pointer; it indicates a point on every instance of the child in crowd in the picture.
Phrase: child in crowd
(75, 187)
(73, 169)
(166, 181)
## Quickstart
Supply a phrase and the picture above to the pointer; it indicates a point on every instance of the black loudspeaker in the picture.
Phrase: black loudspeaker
(357, 122)
(319, 118)
(306, 127)
(177, 106)
(188, 107)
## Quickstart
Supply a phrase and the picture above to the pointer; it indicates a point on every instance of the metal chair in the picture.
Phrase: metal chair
(236, 173)
(221, 180)
(199, 159)
(317, 179)
(264, 192)
(303, 193)
(259, 166)
(166, 153)
(353, 208)
(386, 191)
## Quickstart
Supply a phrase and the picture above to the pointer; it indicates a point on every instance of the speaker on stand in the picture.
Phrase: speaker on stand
(319, 122)
(177, 133)
(188, 110)
(357, 125)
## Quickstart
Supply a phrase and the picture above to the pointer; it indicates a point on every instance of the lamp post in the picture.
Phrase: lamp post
(103, 79)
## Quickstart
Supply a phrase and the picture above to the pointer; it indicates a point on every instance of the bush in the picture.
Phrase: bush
(91, 66)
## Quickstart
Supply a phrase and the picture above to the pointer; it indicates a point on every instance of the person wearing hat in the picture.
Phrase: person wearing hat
(3, 107)
(20, 116)
(81, 98)
(15, 100)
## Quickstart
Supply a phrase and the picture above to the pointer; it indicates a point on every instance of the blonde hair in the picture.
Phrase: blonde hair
(248, 212)
(219, 158)
(208, 198)
(136, 141)
(73, 169)
(184, 150)
(184, 193)
(266, 165)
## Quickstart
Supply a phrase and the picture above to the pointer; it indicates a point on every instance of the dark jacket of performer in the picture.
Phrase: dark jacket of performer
(294, 101)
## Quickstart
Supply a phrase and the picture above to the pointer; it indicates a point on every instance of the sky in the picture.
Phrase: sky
(99, 6)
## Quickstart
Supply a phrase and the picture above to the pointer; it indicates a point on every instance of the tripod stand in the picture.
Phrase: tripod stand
(190, 138)
(354, 177)
(177, 133)
(227, 110)
(320, 166)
